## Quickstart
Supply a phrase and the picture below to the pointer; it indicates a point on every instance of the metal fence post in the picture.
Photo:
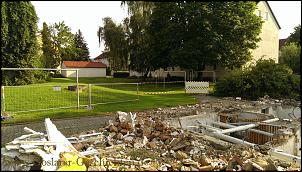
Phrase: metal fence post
(89, 95)
(185, 80)
(78, 93)
(137, 91)
(3, 99)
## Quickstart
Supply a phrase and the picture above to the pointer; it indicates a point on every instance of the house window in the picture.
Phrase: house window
(259, 13)
(266, 15)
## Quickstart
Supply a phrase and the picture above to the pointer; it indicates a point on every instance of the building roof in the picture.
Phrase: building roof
(271, 12)
(83, 64)
(281, 43)
(102, 56)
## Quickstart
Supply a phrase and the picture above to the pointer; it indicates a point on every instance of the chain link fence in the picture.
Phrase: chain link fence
(38, 96)
(60, 94)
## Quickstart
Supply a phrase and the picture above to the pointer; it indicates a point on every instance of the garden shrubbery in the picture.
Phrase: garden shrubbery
(121, 74)
(265, 78)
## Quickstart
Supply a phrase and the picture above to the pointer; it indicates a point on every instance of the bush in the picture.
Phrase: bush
(175, 78)
(132, 77)
(290, 56)
(121, 74)
(108, 71)
(57, 75)
(24, 77)
(265, 78)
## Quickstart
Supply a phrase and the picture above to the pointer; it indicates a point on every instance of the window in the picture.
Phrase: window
(259, 13)
(266, 15)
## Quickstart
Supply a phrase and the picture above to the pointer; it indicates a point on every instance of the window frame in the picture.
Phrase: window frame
(266, 15)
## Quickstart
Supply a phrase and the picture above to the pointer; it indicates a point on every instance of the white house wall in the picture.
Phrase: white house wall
(86, 72)
(104, 61)
(268, 47)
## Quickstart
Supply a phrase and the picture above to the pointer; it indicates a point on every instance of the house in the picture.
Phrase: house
(112, 65)
(281, 43)
(103, 58)
(86, 69)
(268, 47)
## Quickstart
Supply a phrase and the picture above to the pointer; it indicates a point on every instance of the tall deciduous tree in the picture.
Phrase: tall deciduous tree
(195, 34)
(18, 40)
(295, 36)
(63, 40)
(115, 43)
(189, 34)
(81, 46)
(49, 58)
(138, 37)
(290, 55)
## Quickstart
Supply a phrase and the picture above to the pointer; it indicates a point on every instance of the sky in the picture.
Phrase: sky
(87, 16)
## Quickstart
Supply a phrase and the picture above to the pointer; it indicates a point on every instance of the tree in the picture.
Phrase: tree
(81, 46)
(49, 51)
(58, 44)
(115, 43)
(138, 37)
(295, 36)
(195, 34)
(63, 40)
(290, 55)
(18, 41)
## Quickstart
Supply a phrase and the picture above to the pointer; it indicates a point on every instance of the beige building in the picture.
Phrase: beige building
(86, 69)
(268, 47)
(103, 59)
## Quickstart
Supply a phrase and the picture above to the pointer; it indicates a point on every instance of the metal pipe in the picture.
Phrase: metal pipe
(231, 139)
(36, 69)
(285, 156)
(89, 94)
(245, 127)
(78, 92)
(221, 124)
(118, 83)
(208, 127)
(137, 91)
(3, 100)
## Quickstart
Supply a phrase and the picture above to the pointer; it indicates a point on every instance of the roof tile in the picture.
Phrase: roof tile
(83, 64)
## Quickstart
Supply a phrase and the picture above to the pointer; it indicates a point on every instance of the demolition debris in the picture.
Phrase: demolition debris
(144, 142)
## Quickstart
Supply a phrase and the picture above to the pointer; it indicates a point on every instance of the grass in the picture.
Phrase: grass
(42, 96)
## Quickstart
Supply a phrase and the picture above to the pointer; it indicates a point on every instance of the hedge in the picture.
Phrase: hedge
(265, 78)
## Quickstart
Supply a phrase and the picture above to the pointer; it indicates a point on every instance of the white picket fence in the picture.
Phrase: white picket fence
(197, 87)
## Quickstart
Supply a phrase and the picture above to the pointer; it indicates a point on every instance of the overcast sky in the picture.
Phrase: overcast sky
(87, 16)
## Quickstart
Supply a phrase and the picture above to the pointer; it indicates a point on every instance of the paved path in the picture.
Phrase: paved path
(66, 126)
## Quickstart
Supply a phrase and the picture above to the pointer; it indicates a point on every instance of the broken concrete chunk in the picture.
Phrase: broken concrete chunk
(78, 146)
(123, 116)
(119, 136)
(112, 128)
(181, 155)
(206, 168)
(204, 160)
(124, 131)
(151, 145)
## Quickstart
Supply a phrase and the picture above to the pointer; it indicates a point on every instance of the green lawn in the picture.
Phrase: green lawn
(42, 96)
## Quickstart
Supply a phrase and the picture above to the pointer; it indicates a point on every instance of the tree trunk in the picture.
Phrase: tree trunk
(146, 74)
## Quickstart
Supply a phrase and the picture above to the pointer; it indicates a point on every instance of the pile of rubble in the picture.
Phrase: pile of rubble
(209, 104)
(267, 100)
(133, 142)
